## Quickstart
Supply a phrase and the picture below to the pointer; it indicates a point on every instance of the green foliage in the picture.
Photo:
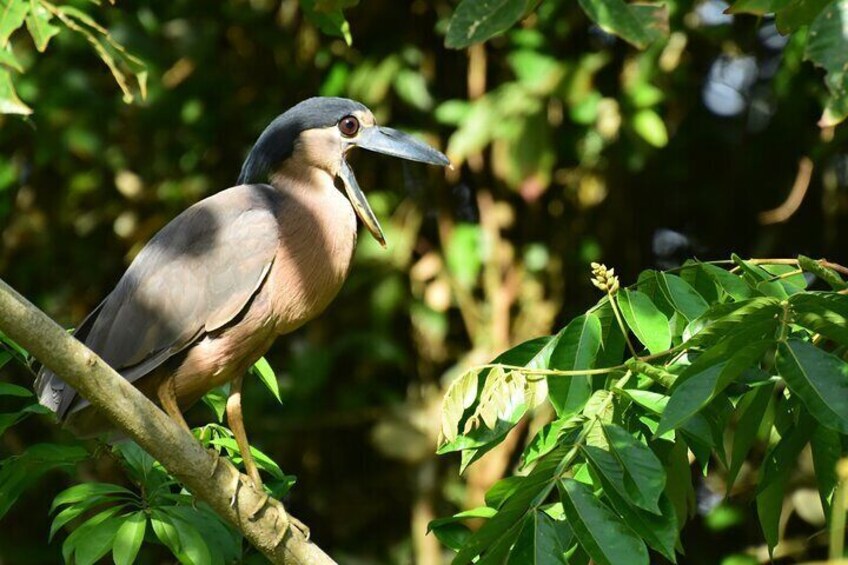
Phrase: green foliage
(113, 518)
(43, 21)
(737, 334)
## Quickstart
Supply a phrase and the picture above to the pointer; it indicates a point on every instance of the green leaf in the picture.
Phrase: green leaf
(649, 325)
(163, 527)
(650, 127)
(547, 438)
(263, 370)
(779, 461)
(93, 539)
(475, 21)
(39, 26)
(713, 371)
(822, 312)
(223, 541)
(9, 101)
(577, 348)
(819, 379)
(85, 491)
(451, 532)
(19, 472)
(827, 275)
(534, 353)
(12, 16)
(600, 532)
(678, 484)
(542, 540)
(752, 409)
(463, 254)
(128, 538)
(74, 511)
(529, 495)
(412, 88)
(194, 550)
(827, 450)
(827, 47)
(328, 16)
(658, 531)
(9, 389)
(638, 24)
(682, 296)
(216, 399)
(732, 284)
(756, 7)
(644, 474)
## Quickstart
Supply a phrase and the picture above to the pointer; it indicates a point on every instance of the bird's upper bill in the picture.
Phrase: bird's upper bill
(389, 142)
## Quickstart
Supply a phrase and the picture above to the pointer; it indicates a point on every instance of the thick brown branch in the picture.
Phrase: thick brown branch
(265, 525)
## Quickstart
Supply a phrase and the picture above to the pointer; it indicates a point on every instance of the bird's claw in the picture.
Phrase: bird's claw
(264, 498)
(236, 487)
(299, 526)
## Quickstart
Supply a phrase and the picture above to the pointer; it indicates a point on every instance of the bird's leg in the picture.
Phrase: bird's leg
(168, 399)
(236, 422)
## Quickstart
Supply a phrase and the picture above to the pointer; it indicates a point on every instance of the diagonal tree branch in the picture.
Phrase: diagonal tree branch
(263, 522)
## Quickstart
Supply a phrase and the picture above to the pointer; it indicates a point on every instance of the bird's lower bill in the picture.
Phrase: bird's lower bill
(360, 203)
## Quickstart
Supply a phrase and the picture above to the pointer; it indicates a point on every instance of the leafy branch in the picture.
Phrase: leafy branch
(715, 344)
(216, 482)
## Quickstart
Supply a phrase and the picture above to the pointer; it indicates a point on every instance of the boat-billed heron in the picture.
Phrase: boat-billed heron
(209, 293)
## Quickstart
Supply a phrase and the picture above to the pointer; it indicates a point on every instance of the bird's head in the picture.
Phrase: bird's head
(317, 134)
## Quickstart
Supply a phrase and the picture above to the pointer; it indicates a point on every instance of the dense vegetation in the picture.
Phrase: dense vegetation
(639, 135)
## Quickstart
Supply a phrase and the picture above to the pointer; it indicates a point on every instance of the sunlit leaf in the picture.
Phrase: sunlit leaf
(682, 296)
(819, 379)
(714, 370)
(577, 347)
(12, 16)
(638, 24)
(39, 26)
(9, 101)
(460, 395)
(604, 536)
(644, 474)
(263, 370)
(475, 21)
(532, 492)
(645, 320)
(827, 47)
(128, 538)
(328, 16)
(823, 312)
(93, 539)
(650, 127)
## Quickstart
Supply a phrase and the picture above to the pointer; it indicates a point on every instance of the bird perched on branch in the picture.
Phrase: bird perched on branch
(207, 296)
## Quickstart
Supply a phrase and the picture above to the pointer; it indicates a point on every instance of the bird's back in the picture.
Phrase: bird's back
(194, 277)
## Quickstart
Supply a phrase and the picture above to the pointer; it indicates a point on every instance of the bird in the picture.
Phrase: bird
(210, 292)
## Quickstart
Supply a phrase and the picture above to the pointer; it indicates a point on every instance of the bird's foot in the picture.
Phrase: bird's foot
(294, 523)
(264, 497)
(299, 526)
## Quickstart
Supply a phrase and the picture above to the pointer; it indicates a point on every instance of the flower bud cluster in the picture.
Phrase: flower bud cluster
(604, 278)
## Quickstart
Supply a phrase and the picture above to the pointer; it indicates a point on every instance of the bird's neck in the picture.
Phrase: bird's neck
(307, 178)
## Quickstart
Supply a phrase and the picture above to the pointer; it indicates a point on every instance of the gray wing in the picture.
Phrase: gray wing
(196, 275)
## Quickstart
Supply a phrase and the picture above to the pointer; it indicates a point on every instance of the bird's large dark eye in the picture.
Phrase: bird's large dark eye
(349, 126)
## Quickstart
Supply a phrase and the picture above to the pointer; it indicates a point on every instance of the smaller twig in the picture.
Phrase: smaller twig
(794, 199)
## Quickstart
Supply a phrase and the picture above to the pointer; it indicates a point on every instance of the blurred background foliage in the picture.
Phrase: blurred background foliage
(570, 146)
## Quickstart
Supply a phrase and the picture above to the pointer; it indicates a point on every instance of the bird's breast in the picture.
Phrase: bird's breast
(317, 240)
